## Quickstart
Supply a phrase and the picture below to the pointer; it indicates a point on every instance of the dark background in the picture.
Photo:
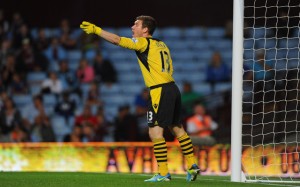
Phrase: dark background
(121, 13)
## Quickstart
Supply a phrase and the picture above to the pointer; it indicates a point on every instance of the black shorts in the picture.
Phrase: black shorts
(164, 105)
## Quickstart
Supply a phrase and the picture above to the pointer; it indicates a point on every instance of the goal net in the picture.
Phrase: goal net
(271, 117)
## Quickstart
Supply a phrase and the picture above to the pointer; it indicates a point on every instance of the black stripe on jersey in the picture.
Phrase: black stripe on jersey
(156, 39)
(143, 57)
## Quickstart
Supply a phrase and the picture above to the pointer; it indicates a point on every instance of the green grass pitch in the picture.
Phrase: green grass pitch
(78, 179)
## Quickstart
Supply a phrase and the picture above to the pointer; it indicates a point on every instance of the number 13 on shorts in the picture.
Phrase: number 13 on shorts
(149, 116)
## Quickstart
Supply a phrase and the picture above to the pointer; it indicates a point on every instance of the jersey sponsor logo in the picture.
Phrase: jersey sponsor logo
(155, 106)
(134, 40)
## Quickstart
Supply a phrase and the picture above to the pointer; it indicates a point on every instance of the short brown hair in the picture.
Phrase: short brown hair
(148, 22)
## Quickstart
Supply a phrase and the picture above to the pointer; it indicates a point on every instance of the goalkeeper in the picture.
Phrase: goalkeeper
(164, 106)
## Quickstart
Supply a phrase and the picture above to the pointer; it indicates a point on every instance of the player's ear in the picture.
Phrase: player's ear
(145, 30)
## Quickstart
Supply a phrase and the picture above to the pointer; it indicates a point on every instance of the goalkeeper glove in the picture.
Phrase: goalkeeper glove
(90, 28)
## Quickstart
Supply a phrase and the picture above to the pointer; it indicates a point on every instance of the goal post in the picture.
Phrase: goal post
(237, 82)
(265, 132)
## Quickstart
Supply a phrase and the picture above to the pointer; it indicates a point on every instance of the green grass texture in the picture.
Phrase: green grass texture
(79, 179)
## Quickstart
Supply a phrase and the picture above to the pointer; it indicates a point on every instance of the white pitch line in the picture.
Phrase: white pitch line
(178, 177)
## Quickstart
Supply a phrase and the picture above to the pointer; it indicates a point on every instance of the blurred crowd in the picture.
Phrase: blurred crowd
(21, 54)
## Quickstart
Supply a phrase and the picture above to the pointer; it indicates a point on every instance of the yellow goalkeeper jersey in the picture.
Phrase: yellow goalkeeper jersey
(154, 59)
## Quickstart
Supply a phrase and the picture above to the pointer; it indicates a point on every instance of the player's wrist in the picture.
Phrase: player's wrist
(97, 30)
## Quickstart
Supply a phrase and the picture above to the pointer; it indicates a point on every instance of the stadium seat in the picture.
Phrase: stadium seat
(110, 90)
(296, 32)
(194, 33)
(184, 55)
(132, 89)
(249, 54)
(110, 112)
(125, 32)
(203, 88)
(90, 54)
(36, 77)
(114, 100)
(76, 33)
(260, 32)
(22, 100)
(74, 54)
(280, 65)
(222, 87)
(85, 89)
(220, 45)
(128, 78)
(60, 127)
(53, 66)
(200, 45)
(76, 98)
(249, 43)
(73, 65)
(175, 45)
(171, 33)
(204, 55)
(226, 55)
(34, 33)
(34, 89)
(293, 63)
(266, 43)
(49, 100)
(293, 53)
(215, 32)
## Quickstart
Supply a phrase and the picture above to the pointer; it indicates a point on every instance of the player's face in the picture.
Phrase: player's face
(137, 29)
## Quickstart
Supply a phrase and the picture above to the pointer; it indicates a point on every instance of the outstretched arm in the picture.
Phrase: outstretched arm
(90, 28)
(133, 44)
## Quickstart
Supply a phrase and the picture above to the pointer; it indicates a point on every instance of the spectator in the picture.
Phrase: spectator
(29, 59)
(66, 39)
(200, 126)
(229, 29)
(66, 107)
(285, 25)
(55, 52)
(68, 78)
(19, 135)
(10, 120)
(217, 70)
(4, 26)
(188, 98)
(8, 70)
(34, 109)
(86, 117)
(88, 42)
(85, 73)
(22, 34)
(141, 102)
(141, 108)
(42, 42)
(52, 84)
(75, 136)
(104, 70)
(16, 23)
(263, 77)
(90, 134)
(104, 128)
(5, 51)
(125, 125)
(42, 130)
(3, 97)
(18, 86)
(93, 95)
